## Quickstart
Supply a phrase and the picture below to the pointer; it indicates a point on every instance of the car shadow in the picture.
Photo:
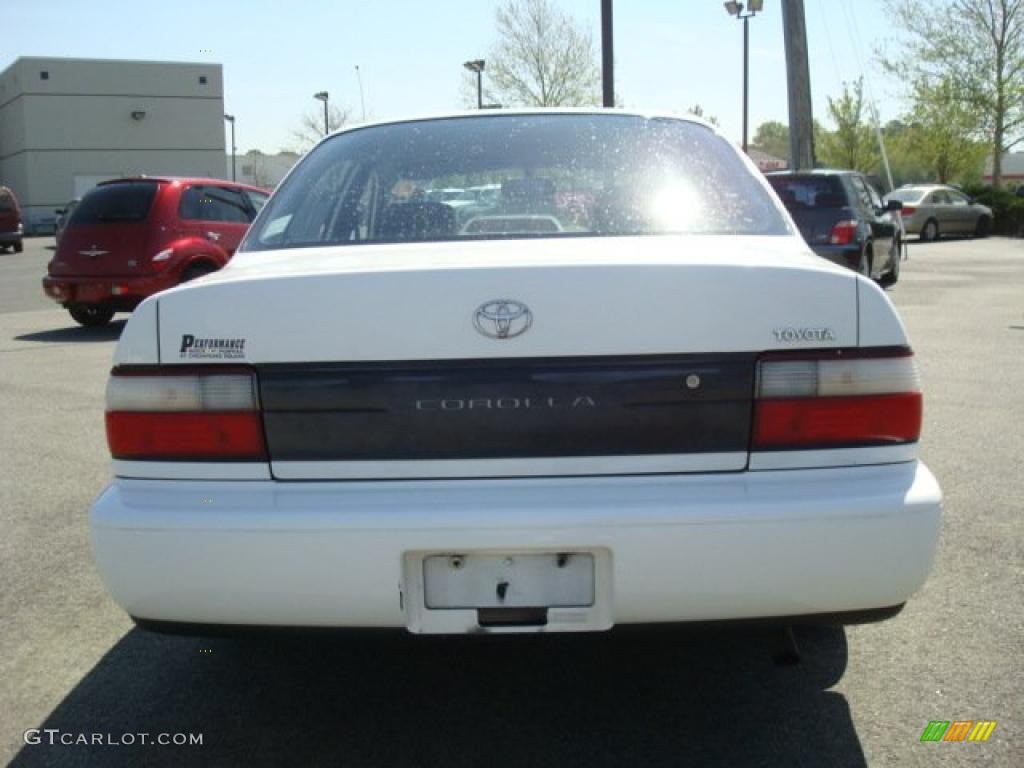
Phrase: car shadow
(643, 697)
(75, 333)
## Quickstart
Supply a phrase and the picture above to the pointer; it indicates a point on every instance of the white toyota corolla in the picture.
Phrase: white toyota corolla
(620, 390)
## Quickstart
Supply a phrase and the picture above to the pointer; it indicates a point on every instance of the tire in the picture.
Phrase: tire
(90, 316)
(984, 227)
(864, 266)
(930, 231)
(196, 271)
(891, 277)
(19, 247)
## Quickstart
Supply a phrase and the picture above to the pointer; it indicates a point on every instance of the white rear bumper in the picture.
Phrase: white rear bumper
(682, 548)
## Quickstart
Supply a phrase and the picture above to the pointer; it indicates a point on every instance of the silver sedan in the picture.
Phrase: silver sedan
(932, 211)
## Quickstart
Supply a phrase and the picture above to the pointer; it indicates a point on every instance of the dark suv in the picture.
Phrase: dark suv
(10, 221)
(842, 217)
(130, 238)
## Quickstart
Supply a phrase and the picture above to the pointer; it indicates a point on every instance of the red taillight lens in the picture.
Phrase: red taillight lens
(843, 233)
(839, 398)
(845, 421)
(184, 415)
(905, 211)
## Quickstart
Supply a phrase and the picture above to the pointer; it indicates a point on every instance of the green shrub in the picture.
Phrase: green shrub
(1007, 208)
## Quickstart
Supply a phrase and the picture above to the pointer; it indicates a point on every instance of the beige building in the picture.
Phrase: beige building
(66, 124)
(262, 170)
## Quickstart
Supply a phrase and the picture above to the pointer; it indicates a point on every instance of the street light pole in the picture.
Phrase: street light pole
(607, 56)
(362, 101)
(737, 9)
(746, 78)
(231, 119)
(322, 96)
(477, 65)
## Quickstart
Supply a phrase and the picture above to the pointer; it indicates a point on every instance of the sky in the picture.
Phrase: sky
(670, 54)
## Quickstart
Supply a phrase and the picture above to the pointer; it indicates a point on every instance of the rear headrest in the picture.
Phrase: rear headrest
(416, 221)
(536, 195)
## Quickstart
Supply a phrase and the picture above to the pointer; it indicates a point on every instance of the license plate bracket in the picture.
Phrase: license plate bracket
(484, 590)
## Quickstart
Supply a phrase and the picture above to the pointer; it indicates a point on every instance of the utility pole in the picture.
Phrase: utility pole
(801, 119)
(607, 55)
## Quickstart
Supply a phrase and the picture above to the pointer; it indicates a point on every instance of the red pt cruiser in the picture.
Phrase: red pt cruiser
(130, 238)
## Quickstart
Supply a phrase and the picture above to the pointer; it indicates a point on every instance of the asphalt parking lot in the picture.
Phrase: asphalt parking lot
(71, 660)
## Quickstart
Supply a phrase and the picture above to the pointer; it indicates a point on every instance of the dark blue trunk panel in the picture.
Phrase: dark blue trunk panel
(508, 408)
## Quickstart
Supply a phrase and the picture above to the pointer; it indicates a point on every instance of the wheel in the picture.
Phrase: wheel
(19, 247)
(90, 316)
(196, 271)
(893, 275)
(930, 231)
(983, 227)
(864, 266)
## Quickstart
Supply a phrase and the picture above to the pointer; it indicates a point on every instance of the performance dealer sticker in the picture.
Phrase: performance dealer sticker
(215, 349)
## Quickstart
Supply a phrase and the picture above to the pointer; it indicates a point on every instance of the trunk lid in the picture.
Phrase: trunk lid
(109, 232)
(388, 361)
(587, 297)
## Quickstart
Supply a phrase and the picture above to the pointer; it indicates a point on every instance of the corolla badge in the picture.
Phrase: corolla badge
(503, 319)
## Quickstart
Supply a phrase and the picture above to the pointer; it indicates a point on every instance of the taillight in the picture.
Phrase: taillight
(837, 399)
(843, 233)
(905, 211)
(184, 415)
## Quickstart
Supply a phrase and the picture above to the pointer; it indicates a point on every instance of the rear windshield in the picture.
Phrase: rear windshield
(801, 193)
(110, 203)
(906, 195)
(516, 176)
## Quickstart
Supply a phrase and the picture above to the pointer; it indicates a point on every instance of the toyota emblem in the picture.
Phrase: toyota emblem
(503, 319)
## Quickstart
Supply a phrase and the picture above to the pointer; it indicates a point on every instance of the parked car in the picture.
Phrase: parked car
(130, 238)
(11, 226)
(674, 412)
(843, 218)
(63, 214)
(931, 210)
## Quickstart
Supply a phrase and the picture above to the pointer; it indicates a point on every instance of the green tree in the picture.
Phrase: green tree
(904, 162)
(853, 144)
(773, 137)
(977, 48)
(941, 130)
(542, 58)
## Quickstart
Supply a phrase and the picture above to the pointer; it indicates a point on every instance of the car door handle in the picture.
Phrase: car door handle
(214, 236)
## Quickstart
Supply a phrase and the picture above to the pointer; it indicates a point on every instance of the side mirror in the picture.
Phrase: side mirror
(893, 205)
